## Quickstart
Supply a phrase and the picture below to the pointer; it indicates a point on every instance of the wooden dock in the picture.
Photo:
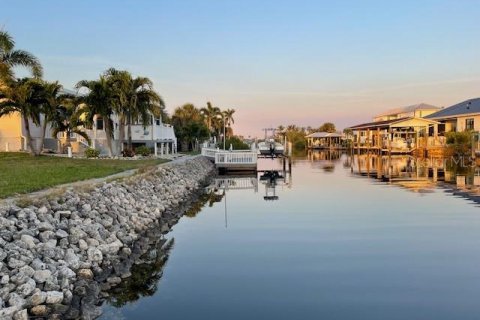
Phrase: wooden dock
(236, 160)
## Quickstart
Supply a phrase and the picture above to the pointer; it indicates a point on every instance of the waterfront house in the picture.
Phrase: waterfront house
(325, 140)
(13, 134)
(463, 116)
(401, 130)
(158, 136)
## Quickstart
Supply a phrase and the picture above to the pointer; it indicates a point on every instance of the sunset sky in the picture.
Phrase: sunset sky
(275, 62)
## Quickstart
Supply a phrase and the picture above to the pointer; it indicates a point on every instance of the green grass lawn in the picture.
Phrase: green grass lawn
(23, 173)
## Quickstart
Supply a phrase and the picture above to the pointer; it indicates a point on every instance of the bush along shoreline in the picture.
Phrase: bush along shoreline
(60, 257)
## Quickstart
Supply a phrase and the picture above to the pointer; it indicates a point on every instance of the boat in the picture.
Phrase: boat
(271, 148)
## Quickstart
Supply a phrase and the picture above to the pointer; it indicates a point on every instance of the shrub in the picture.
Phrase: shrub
(144, 151)
(236, 142)
(128, 153)
(459, 143)
(92, 153)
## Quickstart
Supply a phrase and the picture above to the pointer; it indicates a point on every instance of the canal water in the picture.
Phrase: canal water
(335, 238)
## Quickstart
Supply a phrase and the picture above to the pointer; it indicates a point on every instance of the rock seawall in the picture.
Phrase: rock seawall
(59, 255)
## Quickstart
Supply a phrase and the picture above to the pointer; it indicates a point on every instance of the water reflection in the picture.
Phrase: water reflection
(420, 174)
(334, 252)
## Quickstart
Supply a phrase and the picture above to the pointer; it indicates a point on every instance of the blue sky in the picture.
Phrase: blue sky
(275, 62)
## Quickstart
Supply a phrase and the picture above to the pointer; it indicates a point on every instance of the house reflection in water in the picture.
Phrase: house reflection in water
(419, 174)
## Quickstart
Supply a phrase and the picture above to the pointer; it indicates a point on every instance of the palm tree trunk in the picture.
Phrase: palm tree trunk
(29, 136)
(129, 133)
(108, 132)
(121, 130)
(133, 108)
(44, 129)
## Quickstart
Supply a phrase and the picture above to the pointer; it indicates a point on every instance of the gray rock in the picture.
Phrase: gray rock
(15, 263)
(42, 210)
(27, 270)
(28, 240)
(94, 255)
(40, 276)
(27, 288)
(46, 235)
(5, 279)
(54, 297)
(66, 272)
(16, 301)
(21, 315)
(72, 259)
(45, 226)
(61, 234)
(82, 244)
(7, 313)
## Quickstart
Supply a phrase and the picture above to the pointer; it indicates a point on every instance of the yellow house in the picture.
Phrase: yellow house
(13, 134)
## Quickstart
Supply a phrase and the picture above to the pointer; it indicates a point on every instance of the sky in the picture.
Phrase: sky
(275, 62)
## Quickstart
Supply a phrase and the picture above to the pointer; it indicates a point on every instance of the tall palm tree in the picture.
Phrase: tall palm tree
(26, 97)
(60, 112)
(228, 115)
(10, 58)
(136, 100)
(210, 114)
(98, 100)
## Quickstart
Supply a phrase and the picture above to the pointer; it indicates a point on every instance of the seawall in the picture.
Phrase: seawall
(59, 255)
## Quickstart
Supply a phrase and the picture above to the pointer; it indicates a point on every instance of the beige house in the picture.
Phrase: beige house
(420, 110)
(401, 130)
(13, 134)
(158, 136)
(463, 116)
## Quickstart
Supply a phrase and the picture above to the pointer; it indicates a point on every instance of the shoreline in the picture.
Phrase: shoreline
(59, 256)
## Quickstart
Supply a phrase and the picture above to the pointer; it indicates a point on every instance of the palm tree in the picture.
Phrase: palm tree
(10, 58)
(60, 111)
(228, 116)
(25, 96)
(189, 126)
(99, 100)
(210, 114)
(136, 101)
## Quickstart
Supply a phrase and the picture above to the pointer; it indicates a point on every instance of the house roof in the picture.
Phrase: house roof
(376, 124)
(325, 135)
(412, 108)
(464, 107)
(389, 123)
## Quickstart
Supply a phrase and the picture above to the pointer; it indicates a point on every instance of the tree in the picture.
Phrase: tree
(136, 101)
(65, 118)
(327, 127)
(25, 96)
(189, 126)
(10, 58)
(228, 114)
(99, 99)
(210, 114)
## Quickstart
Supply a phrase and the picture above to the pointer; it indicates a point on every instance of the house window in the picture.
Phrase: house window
(157, 122)
(469, 124)
(99, 124)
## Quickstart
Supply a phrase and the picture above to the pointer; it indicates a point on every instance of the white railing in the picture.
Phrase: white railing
(226, 157)
(209, 152)
(237, 183)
